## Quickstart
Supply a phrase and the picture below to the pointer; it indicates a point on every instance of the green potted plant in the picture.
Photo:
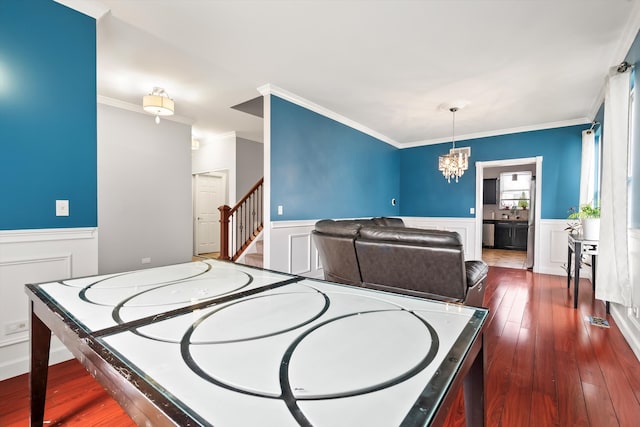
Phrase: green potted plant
(522, 202)
(589, 217)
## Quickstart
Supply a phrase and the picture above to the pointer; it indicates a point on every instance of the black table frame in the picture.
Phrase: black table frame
(146, 406)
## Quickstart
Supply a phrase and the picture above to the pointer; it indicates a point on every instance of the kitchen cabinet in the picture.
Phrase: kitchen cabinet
(520, 235)
(489, 191)
(511, 235)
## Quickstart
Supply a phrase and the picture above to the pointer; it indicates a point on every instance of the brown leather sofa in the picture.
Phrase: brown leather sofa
(381, 253)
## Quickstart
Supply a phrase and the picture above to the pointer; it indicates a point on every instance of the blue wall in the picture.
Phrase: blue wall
(425, 192)
(47, 115)
(323, 169)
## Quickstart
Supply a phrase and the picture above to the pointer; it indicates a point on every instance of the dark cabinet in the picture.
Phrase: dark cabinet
(520, 234)
(511, 235)
(503, 235)
(489, 191)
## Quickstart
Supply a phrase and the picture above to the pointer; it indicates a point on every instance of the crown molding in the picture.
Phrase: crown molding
(123, 105)
(542, 126)
(92, 8)
(270, 89)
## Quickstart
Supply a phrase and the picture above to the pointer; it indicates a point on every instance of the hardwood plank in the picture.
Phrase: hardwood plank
(544, 410)
(498, 375)
(517, 406)
(599, 406)
(572, 409)
(74, 398)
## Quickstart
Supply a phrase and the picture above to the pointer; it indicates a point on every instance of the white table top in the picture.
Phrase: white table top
(236, 346)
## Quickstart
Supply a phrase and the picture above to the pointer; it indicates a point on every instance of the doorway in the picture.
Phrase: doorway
(511, 259)
(210, 192)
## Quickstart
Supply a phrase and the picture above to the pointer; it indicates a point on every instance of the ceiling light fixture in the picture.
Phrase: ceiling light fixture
(158, 103)
(456, 161)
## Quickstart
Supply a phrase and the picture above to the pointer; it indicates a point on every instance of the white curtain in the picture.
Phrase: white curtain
(612, 273)
(588, 168)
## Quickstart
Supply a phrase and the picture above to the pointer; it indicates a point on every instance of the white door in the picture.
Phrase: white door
(210, 193)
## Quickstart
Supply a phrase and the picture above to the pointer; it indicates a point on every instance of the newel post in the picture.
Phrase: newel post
(224, 232)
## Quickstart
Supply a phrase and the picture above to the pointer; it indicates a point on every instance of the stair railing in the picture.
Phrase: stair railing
(241, 224)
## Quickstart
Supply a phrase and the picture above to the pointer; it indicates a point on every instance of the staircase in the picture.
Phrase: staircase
(241, 226)
(254, 254)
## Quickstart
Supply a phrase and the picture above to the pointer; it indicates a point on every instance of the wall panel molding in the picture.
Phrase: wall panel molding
(36, 256)
(292, 249)
(300, 255)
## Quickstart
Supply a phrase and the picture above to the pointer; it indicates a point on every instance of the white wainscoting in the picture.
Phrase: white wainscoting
(292, 249)
(553, 248)
(465, 227)
(35, 256)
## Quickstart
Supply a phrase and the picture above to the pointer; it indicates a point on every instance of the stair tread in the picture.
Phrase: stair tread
(255, 259)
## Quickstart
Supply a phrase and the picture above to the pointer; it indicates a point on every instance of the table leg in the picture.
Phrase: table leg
(577, 253)
(40, 344)
(593, 273)
(569, 253)
(474, 392)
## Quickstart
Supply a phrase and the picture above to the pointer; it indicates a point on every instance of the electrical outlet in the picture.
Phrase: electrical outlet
(145, 260)
(636, 312)
(15, 327)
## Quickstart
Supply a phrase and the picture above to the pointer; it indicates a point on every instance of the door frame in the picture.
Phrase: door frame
(480, 166)
(224, 174)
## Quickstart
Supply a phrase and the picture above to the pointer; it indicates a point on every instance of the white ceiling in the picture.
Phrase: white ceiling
(387, 65)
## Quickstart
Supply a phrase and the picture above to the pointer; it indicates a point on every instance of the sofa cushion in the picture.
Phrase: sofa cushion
(417, 236)
(388, 222)
(334, 228)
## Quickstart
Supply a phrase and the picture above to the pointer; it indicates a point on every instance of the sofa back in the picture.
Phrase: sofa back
(423, 262)
(335, 243)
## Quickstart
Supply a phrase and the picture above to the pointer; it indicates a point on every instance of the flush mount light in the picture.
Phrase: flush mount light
(158, 103)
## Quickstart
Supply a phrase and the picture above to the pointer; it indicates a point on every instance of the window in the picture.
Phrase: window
(515, 190)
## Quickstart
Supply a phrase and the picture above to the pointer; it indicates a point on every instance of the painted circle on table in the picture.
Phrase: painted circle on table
(350, 355)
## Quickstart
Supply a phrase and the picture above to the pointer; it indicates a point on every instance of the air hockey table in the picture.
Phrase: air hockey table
(213, 343)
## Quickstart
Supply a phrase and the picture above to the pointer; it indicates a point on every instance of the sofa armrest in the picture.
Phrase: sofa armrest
(476, 272)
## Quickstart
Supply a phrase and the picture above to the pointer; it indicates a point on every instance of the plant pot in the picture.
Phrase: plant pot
(591, 228)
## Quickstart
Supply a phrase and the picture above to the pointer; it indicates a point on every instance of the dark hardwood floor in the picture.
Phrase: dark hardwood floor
(545, 366)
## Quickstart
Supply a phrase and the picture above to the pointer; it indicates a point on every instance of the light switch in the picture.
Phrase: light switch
(280, 209)
(472, 210)
(62, 208)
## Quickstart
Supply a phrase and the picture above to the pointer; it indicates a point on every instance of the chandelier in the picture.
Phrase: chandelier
(456, 161)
